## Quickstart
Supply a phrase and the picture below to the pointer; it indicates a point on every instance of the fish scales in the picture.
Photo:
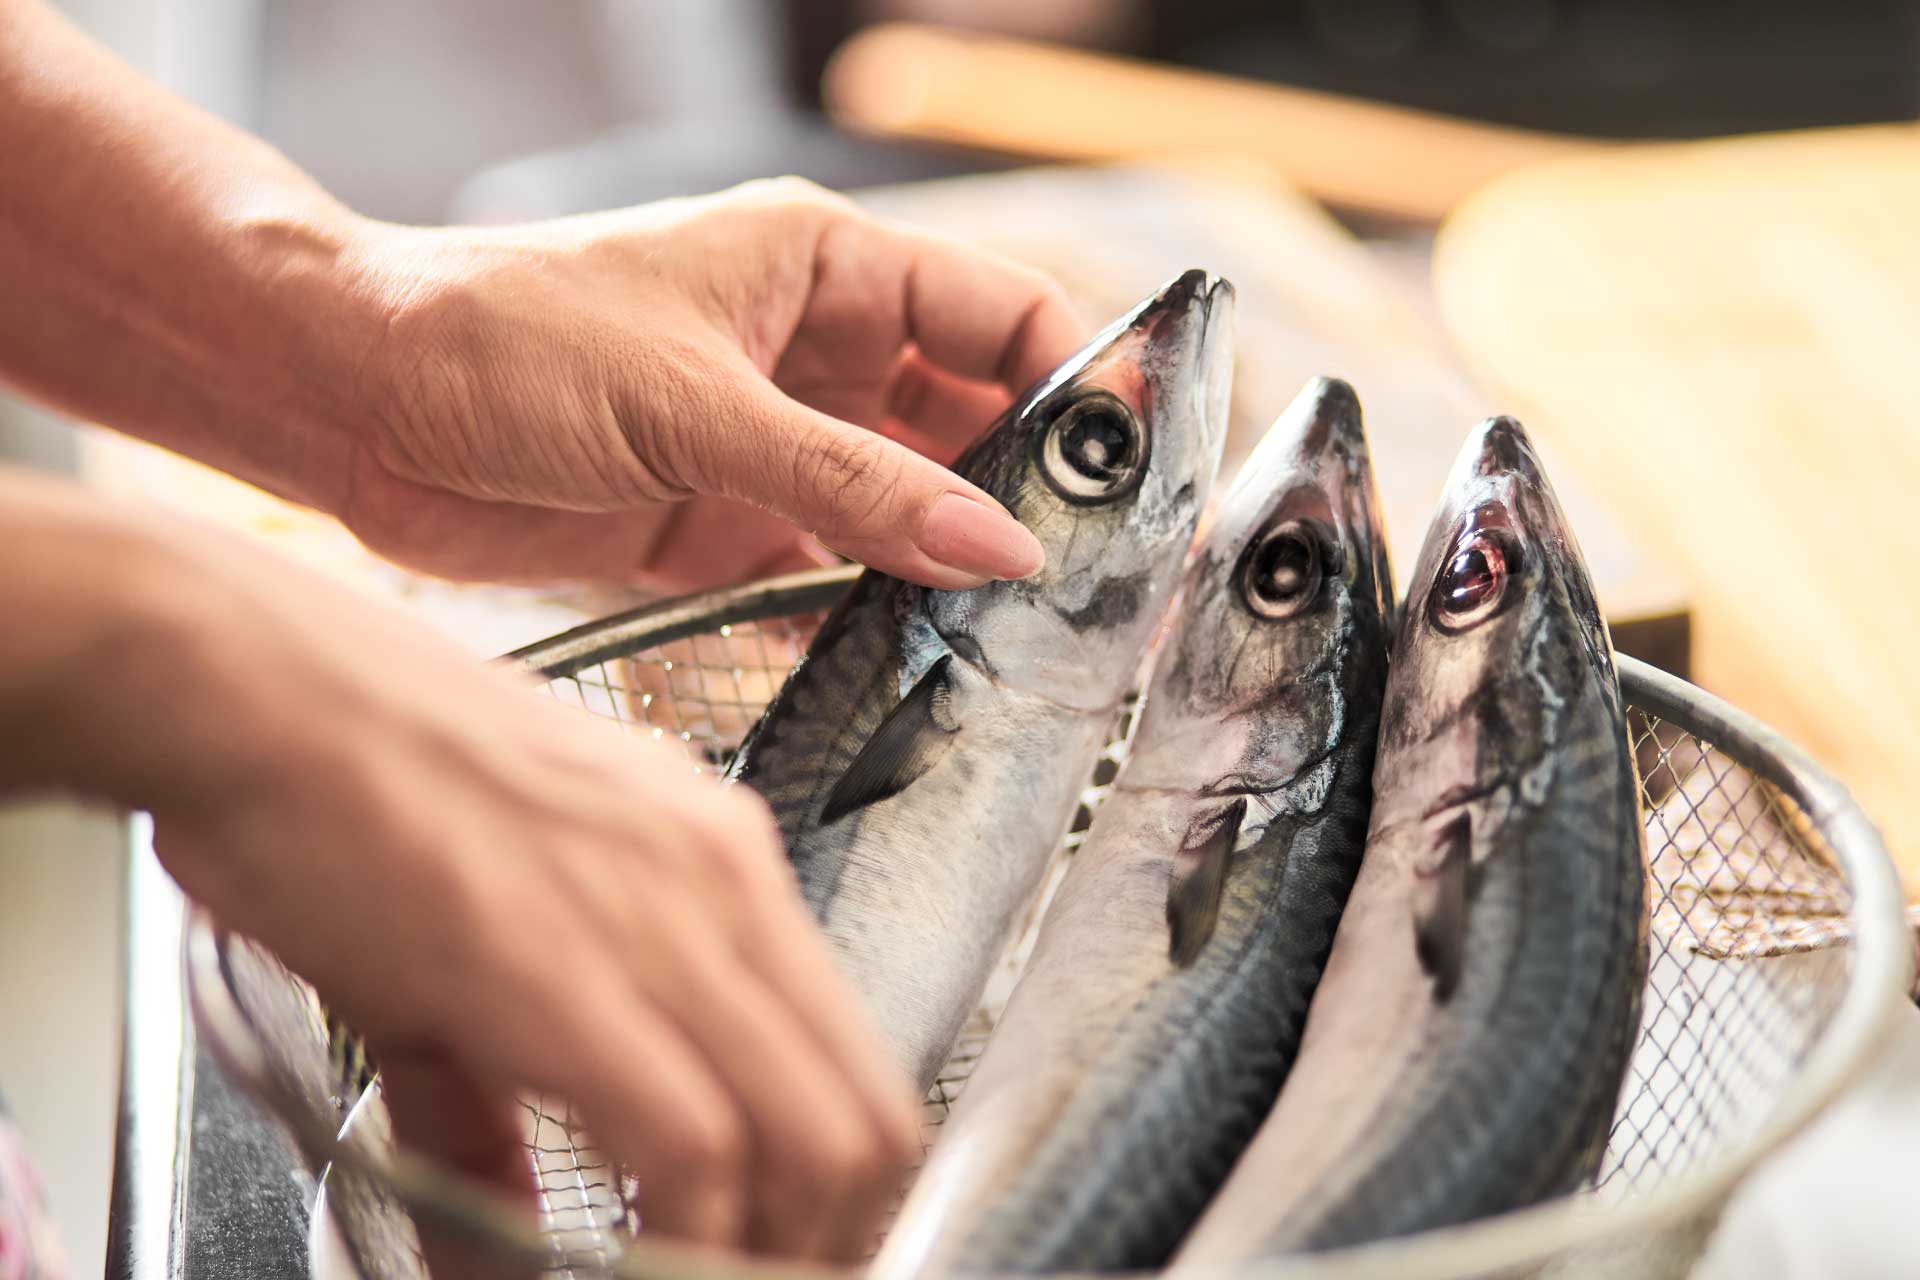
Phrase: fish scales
(1137, 1055)
(1546, 994)
(926, 756)
(1464, 1052)
(1186, 1075)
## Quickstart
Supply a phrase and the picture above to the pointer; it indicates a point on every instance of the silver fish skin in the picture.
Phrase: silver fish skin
(927, 755)
(1163, 1002)
(1464, 1053)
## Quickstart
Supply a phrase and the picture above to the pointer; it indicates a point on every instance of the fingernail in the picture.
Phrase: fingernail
(965, 535)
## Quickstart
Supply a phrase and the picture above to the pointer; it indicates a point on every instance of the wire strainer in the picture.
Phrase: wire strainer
(1778, 955)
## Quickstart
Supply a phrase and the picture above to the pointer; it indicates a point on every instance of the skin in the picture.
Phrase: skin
(680, 395)
(1118, 1075)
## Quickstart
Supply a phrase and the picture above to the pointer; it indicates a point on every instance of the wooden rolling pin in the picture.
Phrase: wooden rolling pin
(1047, 102)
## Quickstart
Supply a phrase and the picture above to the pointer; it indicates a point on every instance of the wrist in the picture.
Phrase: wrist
(304, 380)
(88, 581)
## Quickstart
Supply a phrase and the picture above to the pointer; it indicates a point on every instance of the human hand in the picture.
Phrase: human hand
(672, 394)
(502, 896)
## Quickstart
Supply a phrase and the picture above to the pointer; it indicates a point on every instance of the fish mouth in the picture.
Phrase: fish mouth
(1498, 463)
(1500, 446)
(1192, 317)
(1191, 308)
(1332, 428)
(1499, 467)
(1318, 437)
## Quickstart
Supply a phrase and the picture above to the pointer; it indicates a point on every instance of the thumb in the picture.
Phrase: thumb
(867, 497)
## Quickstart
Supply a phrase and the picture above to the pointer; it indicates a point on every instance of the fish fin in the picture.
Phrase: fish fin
(1199, 878)
(908, 742)
(1440, 906)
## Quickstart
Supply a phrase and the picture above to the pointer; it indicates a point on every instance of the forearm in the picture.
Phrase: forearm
(170, 276)
(101, 682)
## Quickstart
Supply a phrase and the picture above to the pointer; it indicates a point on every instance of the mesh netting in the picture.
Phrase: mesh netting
(1746, 906)
(1742, 974)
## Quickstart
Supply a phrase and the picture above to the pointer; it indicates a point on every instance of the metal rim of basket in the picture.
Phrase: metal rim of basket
(1876, 988)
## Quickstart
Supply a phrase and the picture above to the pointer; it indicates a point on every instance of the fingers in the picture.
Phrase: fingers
(672, 547)
(443, 1113)
(660, 1003)
(829, 1133)
(939, 413)
(656, 1105)
(865, 496)
(877, 290)
(784, 949)
(780, 942)
(440, 1110)
(980, 315)
(817, 1158)
(715, 540)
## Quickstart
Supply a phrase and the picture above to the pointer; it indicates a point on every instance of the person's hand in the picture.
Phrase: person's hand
(672, 394)
(501, 895)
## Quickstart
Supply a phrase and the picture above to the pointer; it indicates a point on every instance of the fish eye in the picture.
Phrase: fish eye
(1473, 584)
(1283, 570)
(1094, 451)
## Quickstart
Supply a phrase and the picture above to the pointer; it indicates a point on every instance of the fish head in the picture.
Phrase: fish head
(1109, 461)
(1499, 639)
(1281, 638)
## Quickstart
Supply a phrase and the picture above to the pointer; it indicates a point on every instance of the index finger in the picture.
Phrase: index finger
(982, 315)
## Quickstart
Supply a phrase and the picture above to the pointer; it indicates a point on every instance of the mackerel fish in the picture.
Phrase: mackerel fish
(1165, 996)
(1464, 1053)
(926, 757)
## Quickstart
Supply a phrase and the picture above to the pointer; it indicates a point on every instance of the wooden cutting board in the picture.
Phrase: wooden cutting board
(1724, 338)
(1311, 299)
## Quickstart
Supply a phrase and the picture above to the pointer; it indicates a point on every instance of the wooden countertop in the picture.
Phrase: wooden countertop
(1724, 338)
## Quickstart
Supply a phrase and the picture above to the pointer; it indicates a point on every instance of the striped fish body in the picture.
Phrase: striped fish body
(926, 756)
(1164, 999)
(1465, 1050)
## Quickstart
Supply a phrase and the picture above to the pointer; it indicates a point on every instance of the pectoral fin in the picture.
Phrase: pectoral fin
(1199, 878)
(1440, 906)
(908, 742)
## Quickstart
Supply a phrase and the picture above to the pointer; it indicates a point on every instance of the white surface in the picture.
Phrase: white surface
(60, 991)
(1839, 1203)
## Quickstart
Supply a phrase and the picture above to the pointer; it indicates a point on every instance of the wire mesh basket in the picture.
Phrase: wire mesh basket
(1778, 956)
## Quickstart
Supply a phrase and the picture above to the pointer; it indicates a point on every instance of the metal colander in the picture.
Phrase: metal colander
(1778, 954)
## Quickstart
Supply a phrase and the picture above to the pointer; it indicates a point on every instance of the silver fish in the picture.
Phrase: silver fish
(927, 755)
(1464, 1053)
(1165, 996)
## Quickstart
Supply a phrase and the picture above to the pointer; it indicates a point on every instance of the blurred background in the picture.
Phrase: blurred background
(398, 106)
(1675, 236)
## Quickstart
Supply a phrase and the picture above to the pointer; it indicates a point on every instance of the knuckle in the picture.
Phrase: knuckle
(748, 824)
(832, 1160)
(675, 448)
(753, 868)
(874, 1164)
(851, 477)
(899, 1139)
(709, 1143)
(793, 190)
(1050, 291)
(879, 1161)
